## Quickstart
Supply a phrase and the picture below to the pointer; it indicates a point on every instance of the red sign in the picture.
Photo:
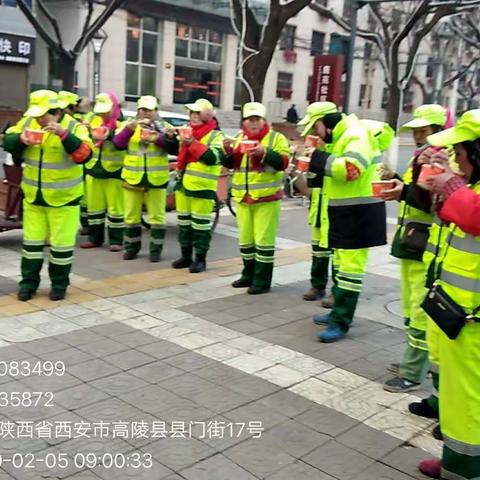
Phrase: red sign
(327, 79)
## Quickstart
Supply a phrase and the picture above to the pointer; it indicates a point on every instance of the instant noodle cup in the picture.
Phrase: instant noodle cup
(35, 137)
(311, 141)
(380, 185)
(303, 164)
(100, 133)
(247, 145)
(185, 132)
(146, 134)
(427, 171)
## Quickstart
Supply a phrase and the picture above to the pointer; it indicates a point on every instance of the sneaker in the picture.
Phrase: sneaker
(56, 295)
(321, 319)
(25, 294)
(89, 244)
(313, 294)
(115, 248)
(394, 368)
(431, 468)
(422, 409)
(242, 283)
(154, 257)
(437, 433)
(129, 255)
(327, 302)
(400, 385)
(331, 334)
(253, 290)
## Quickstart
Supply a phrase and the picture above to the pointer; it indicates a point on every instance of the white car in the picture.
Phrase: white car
(174, 119)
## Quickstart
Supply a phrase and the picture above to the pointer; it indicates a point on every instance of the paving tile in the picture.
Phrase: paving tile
(113, 329)
(249, 363)
(80, 337)
(406, 460)
(15, 353)
(325, 420)
(69, 356)
(92, 370)
(256, 411)
(220, 352)
(52, 383)
(129, 359)
(79, 396)
(118, 384)
(136, 339)
(287, 403)
(282, 376)
(190, 361)
(187, 385)
(156, 372)
(332, 457)
(102, 348)
(192, 341)
(83, 476)
(150, 399)
(161, 349)
(222, 374)
(152, 470)
(246, 326)
(253, 387)
(110, 410)
(43, 345)
(300, 471)
(217, 467)
(306, 364)
(316, 390)
(382, 472)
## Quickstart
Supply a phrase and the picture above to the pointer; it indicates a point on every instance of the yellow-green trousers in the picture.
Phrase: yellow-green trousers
(59, 226)
(105, 199)
(258, 225)
(320, 261)
(460, 403)
(194, 217)
(415, 363)
(349, 267)
(155, 201)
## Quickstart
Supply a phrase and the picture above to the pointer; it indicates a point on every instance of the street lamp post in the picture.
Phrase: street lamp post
(98, 41)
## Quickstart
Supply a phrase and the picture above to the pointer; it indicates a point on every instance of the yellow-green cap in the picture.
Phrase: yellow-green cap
(383, 133)
(316, 111)
(103, 103)
(40, 102)
(425, 115)
(254, 109)
(466, 129)
(66, 98)
(149, 102)
(200, 105)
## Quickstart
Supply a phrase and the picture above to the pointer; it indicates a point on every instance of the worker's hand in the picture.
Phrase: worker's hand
(170, 132)
(436, 183)
(394, 193)
(55, 128)
(132, 124)
(256, 152)
(386, 173)
(227, 143)
(24, 139)
(188, 140)
(440, 157)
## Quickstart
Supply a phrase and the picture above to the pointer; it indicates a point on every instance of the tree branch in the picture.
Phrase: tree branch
(86, 24)
(290, 9)
(253, 31)
(43, 8)
(461, 73)
(421, 85)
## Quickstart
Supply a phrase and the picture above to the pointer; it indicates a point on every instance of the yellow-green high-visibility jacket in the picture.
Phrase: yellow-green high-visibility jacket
(49, 168)
(354, 217)
(107, 160)
(142, 159)
(460, 266)
(199, 176)
(264, 183)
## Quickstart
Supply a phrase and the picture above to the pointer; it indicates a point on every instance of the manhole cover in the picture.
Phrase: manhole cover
(394, 307)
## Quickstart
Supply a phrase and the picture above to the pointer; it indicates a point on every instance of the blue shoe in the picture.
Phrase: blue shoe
(321, 319)
(331, 334)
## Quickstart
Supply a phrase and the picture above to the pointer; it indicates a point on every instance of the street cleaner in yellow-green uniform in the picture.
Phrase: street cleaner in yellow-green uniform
(409, 244)
(104, 180)
(351, 219)
(52, 186)
(453, 302)
(258, 156)
(198, 168)
(145, 174)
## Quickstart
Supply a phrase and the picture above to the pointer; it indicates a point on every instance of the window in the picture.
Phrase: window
(430, 67)
(385, 97)
(194, 83)
(309, 87)
(284, 85)
(287, 37)
(141, 65)
(367, 51)
(198, 44)
(318, 39)
(408, 101)
(339, 45)
(347, 9)
(363, 93)
(13, 3)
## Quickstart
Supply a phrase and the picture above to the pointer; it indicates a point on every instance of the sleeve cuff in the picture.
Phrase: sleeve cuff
(452, 186)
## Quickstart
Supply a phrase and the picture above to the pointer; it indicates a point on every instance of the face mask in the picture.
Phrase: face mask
(328, 138)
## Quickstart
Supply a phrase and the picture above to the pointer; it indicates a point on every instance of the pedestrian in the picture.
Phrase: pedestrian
(352, 220)
(457, 284)
(198, 169)
(104, 180)
(258, 156)
(52, 187)
(145, 173)
(409, 244)
(292, 115)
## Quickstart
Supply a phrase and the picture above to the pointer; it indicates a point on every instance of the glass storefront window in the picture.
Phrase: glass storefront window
(133, 21)
(148, 79)
(197, 50)
(199, 34)
(133, 38)
(149, 48)
(214, 37)
(198, 43)
(183, 31)
(214, 53)
(131, 79)
(194, 83)
(150, 24)
(181, 48)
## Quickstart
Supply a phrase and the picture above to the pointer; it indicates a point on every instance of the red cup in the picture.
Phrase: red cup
(35, 137)
(380, 185)
(247, 145)
(311, 141)
(427, 171)
(146, 134)
(100, 133)
(303, 164)
(185, 132)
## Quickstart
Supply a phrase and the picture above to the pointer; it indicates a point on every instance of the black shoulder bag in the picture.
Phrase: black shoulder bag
(415, 234)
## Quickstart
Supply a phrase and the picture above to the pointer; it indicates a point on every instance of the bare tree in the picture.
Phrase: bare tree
(398, 33)
(258, 42)
(52, 35)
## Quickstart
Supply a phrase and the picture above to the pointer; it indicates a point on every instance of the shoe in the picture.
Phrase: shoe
(25, 294)
(84, 231)
(89, 244)
(313, 294)
(431, 468)
(321, 319)
(331, 334)
(394, 368)
(422, 409)
(154, 257)
(129, 255)
(437, 433)
(115, 248)
(400, 385)
(253, 290)
(327, 302)
(185, 260)
(242, 283)
(200, 264)
(56, 295)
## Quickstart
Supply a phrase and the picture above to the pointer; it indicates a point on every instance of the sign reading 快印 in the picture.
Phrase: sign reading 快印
(16, 49)
(327, 79)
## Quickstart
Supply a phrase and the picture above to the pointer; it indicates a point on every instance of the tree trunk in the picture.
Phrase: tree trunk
(254, 72)
(67, 71)
(393, 106)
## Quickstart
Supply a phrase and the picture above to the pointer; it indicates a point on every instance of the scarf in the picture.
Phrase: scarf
(198, 131)
(111, 122)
